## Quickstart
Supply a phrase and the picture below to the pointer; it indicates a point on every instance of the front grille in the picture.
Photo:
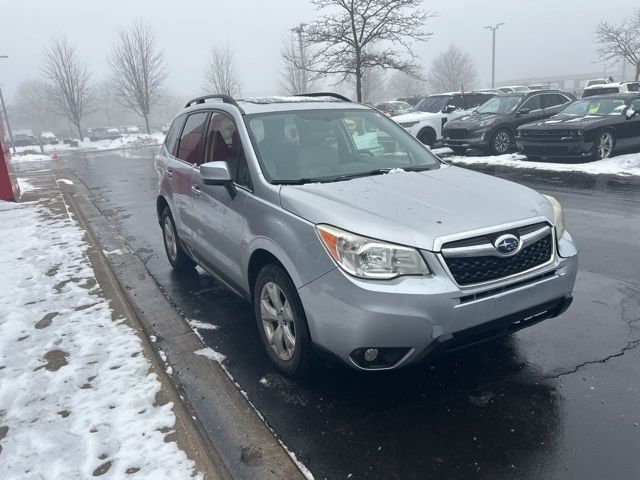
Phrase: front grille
(546, 149)
(456, 133)
(471, 270)
(545, 134)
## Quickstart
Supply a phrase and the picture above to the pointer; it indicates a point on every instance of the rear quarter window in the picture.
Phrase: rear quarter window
(171, 140)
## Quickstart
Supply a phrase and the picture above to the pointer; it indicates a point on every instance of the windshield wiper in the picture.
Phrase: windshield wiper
(418, 168)
(297, 181)
(349, 176)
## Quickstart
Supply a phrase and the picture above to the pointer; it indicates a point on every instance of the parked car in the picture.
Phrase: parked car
(492, 126)
(514, 89)
(609, 88)
(113, 133)
(413, 100)
(99, 133)
(349, 237)
(23, 138)
(48, 138)
(595, 128)
(393, 108)
(426, 119)
(131, 129)
(597, 81)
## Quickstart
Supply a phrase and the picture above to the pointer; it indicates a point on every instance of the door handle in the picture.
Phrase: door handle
(196, 190)
(169, 173)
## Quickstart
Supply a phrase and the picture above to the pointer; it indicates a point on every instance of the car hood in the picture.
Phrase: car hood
(416, 116)
(471, 121)
(415, 208)
(568, 121)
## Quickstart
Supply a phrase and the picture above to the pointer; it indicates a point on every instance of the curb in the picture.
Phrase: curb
(235, 438)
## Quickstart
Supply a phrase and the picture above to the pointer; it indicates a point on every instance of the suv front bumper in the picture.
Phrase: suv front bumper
(428, 315)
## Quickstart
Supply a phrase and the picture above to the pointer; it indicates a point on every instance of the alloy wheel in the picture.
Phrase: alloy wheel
(605, 145)
(277, 321)
(502, 142)
(170, 239)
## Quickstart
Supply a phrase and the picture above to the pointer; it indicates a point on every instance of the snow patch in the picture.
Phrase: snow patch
(202, 325)
(65, 181)
(396, 170)
(25, 186)
(211, 354)
(619, 165)
(77, 393)
(117, 251)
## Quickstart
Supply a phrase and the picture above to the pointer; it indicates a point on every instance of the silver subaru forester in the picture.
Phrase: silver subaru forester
(349, 237)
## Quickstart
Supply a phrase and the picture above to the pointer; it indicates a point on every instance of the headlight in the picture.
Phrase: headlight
(484, 123)
(558, 216)
(367, 258)
(408, 124)
(577, 133)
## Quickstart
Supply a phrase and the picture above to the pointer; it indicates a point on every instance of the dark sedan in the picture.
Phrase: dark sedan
(595, 128)
(491, 127)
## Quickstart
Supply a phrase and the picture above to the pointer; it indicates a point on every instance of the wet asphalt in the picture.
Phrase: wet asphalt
(558, 400)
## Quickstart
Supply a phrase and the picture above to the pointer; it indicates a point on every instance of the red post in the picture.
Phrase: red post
(8, 185)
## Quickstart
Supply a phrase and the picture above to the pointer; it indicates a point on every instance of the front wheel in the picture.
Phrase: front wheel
(427, 137)
(502, 142)
(604, 145)
(282, 324)
(178, 258)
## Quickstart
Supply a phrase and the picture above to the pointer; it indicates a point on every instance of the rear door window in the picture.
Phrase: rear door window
(191, 138)
(534, 103)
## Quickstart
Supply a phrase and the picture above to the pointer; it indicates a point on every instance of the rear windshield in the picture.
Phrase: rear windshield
(432, 104)
(600, 91)
(633, 87)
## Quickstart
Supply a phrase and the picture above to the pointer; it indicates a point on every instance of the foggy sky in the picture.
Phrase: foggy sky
(541, 37)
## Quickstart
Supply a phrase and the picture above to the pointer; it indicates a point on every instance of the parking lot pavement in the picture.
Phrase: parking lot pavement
(558, 400)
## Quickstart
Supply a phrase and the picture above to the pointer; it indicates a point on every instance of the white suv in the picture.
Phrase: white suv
(427, 118)
(609, 88)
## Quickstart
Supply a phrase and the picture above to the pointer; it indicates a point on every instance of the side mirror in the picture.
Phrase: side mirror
(524, 111)
(630, 113)
(449, 109)
(217, 173)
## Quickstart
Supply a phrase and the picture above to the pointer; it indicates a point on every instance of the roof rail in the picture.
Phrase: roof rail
(324, 94)
(225, 99)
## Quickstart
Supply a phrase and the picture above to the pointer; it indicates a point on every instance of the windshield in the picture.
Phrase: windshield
(596, 107)
(502, 104)
(329, 145)
(432, 104)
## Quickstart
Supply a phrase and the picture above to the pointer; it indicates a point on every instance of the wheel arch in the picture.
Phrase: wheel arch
(161, 204)
(260, 257)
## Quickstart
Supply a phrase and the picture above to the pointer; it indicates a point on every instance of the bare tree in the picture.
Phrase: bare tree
(295, 79)
(361, 34)
(452, 71)
(221, 75)
(621, 40)
(403, 85)
(137, 69)
(31, 105)
(68, 82)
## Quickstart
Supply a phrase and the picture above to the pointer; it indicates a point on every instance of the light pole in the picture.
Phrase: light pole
(493, 56)
(6, 117)
(303, 65)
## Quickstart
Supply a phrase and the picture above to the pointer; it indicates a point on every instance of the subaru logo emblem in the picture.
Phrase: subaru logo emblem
(507, 245)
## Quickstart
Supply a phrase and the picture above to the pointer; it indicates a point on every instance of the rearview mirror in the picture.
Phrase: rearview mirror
(449, 109)
(630, 113)
(524, 111)
(217, 173)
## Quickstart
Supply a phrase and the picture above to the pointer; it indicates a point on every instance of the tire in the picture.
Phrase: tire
(501, 142)
(604, 145)
(277, 307)
(459, 150)
(427, 136)
(176, 255)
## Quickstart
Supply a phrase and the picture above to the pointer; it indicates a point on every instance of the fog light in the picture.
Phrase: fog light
(370, 354)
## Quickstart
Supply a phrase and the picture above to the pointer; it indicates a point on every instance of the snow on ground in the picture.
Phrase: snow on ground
(25, 186)
(29, 157)
(76, 392)
(628, 164)
(125, 141)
